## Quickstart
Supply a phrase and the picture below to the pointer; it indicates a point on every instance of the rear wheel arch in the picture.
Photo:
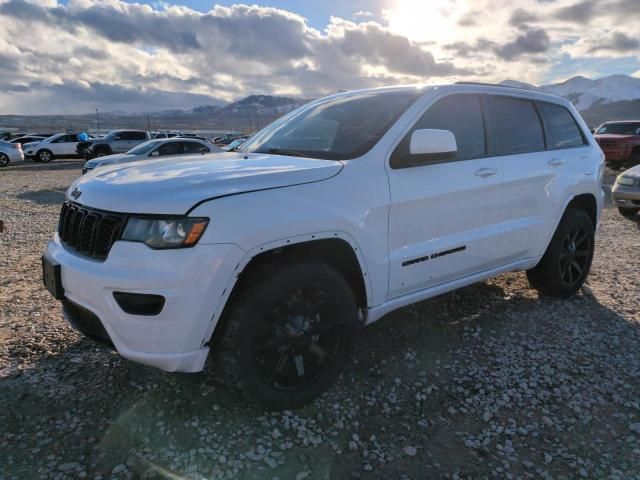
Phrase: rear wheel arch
(587, 203)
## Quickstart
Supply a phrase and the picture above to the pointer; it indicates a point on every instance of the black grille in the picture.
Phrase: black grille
(89, 232)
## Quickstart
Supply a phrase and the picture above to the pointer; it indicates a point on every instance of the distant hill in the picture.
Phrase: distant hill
(616, 97)
(247, 114)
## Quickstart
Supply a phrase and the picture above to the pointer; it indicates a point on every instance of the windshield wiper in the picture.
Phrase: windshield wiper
(286, 152)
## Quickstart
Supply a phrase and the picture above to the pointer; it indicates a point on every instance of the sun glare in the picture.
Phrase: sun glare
(425, 20)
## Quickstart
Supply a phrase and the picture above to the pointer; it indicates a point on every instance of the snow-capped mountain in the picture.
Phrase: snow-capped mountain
(586, 93)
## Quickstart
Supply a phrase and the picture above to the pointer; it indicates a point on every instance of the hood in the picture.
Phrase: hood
(611, 136)
(174, 185)
(107, 159)
(632, 172)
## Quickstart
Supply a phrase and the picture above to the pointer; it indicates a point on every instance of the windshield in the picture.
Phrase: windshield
(620, 129)
(342, 128)
(143, 148)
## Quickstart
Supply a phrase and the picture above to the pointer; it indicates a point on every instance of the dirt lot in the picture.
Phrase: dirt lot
(487, 382)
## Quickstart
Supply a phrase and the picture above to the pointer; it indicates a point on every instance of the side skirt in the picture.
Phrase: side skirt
(376, 313)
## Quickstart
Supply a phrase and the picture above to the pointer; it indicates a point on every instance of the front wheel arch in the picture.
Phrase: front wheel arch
(334, 248)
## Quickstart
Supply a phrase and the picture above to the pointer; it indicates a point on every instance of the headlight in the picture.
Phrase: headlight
(168, 232)
(622, 180)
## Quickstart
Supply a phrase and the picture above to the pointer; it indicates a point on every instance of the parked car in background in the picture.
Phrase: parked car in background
(57, 146)
(116, 141)
(155, 135)
(620, 142)
(270, 259)
(10, 152)
(27, 139)
(154, 149)
(626, 192)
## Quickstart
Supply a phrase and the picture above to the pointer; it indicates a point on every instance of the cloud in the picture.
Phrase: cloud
(530, 42)
(224, 53)
(618, 42)
(520, 17)
(76, 55)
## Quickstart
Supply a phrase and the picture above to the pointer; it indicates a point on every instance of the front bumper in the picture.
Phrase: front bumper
(617, 156)
(626, 196)
(192, 281)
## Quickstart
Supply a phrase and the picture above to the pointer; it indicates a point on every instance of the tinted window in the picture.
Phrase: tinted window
(516, 126)
(195, 147)
(462, 115)
(143, 148)
(132, 136)
(620, 129)
(66, 139)
(562, 129)
(171, 148)
(341, 128)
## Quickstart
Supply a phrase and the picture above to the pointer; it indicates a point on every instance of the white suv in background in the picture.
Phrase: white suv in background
(270, 258)
(56, 146)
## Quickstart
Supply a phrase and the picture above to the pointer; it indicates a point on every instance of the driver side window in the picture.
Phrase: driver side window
(460, 114)
(171, 148)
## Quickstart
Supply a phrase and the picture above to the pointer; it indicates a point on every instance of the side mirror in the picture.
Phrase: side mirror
(155, 153)
(426, 146)
(441, 144)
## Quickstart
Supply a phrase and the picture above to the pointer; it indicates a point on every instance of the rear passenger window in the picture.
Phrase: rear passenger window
(516, 126)
(195, 147)
(562, 129)
(462, 115)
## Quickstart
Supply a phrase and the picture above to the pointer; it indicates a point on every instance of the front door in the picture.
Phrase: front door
(445, 219)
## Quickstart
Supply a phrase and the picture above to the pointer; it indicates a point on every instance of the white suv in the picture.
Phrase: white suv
(269, 259)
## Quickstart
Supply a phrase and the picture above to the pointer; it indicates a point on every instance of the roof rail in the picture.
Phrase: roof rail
(490, 85)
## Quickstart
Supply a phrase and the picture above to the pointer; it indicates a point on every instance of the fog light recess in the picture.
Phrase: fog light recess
(139, 303)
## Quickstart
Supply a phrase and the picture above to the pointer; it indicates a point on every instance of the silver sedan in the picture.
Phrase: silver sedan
(10, 152)
(152, 149)
(626, 192)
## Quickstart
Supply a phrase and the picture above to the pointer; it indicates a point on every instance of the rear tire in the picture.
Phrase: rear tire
(567, 261)
(628, 212)
(288, 334)
(44, 156)
(4, 160)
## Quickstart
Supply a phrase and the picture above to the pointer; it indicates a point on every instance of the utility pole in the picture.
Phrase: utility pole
(98, 120)
(148, 123)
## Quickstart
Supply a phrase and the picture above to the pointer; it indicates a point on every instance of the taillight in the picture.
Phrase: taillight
(17, 145)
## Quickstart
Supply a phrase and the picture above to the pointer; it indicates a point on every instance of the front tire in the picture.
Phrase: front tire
(628, 212)
(4, 160)
(288, 334)
(567, 261)
(44, 156)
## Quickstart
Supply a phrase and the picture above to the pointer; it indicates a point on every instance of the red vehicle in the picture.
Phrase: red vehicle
(620, 142)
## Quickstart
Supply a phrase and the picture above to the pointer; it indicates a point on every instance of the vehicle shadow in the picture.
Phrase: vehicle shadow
(44, 197)
(90, 403)
(51, 166)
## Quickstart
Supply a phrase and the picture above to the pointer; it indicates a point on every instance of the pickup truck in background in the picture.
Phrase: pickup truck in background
(620, 142)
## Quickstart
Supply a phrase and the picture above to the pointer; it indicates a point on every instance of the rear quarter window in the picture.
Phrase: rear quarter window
(516, 125)
(562, 129)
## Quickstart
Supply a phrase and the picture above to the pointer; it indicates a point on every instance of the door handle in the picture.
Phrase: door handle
(486, 172)
(555, 162)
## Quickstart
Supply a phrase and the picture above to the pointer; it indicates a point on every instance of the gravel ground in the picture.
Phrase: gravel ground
(486, 382)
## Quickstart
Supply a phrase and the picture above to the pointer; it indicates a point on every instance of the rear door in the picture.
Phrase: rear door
(65, 145)
(445, 217)
(120, 142)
